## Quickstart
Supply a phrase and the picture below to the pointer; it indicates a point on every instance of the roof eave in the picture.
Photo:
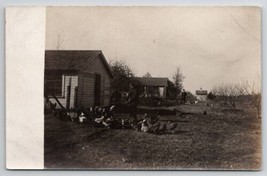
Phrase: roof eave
(106, 65)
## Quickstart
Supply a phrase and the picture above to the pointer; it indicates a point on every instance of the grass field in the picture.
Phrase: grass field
(222, 139)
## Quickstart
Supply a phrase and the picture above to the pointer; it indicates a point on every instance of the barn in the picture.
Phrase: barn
(77, 78)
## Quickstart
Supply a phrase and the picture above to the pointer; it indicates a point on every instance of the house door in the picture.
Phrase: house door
(97, 89)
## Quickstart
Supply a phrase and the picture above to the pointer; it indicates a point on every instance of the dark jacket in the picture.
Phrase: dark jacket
(184, 94)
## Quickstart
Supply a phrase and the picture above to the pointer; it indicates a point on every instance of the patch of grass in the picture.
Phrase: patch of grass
(218, 140)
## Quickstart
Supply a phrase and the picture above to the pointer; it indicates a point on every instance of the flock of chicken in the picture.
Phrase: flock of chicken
(104, 116)
(152, 124)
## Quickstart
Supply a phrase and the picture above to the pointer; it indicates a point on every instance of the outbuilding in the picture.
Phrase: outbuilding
(201, 94)
(153, 86)
(77, 78)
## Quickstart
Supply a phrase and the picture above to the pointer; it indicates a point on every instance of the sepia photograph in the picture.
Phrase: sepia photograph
(152, 88)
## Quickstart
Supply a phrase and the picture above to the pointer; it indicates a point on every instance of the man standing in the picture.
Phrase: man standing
(183, 96)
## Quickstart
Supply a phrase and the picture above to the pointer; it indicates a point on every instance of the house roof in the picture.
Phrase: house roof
(73, 59)
(153, 81)
(201, 92)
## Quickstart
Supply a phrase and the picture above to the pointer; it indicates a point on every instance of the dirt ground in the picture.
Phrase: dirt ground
(222, 139)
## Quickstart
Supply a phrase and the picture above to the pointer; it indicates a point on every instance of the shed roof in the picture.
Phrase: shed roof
(201, 92)
(153, 81)
(73, 59)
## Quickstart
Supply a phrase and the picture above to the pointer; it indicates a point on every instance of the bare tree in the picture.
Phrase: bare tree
(246, 91)
(253, 89)
(222, 93)
(235, 91)
(178, 79)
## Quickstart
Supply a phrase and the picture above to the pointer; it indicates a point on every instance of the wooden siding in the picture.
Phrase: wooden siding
(98, 67)
(86, 88)
(88, 92)
(74, 83)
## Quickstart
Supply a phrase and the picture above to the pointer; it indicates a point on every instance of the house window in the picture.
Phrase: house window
(54, 84)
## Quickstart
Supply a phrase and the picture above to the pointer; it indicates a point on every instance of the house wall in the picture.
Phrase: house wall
(86, 85)
(106, 80)
(65, 83)
(149, 91)
(86, 90)
(201, 97)
(98, 67)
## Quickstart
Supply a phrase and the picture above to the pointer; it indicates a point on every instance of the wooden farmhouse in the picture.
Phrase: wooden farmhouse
(153, 86)
(77, 78)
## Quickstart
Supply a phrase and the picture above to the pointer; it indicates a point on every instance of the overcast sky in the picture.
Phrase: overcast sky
(211, 45)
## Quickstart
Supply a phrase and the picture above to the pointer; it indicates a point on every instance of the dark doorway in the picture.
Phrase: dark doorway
(97, 89)
(68, 94)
